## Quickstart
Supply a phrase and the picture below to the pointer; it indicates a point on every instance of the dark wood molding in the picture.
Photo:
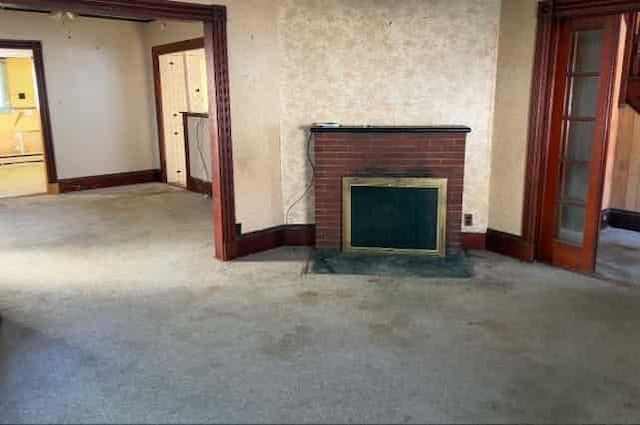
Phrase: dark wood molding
(286, 235)
(138, 9)
(622, 219)
(476, 241)
(45, 116)
(509, 245)
(224, 210)
(156, 52)
(574, 8)
(539, 127)
(178, 46)
(108, 180)
(379, 129)
(199, 186)
(604, 218)
(629, 43)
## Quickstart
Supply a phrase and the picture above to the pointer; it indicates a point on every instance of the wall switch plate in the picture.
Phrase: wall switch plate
(468, 220)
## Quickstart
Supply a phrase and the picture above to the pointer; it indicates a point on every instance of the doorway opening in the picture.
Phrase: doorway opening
(26, 151)
(618, 254)
(586, 143)
(182, 105)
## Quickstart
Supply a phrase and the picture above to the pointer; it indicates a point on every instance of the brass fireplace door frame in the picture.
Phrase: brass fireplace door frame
(413, 182)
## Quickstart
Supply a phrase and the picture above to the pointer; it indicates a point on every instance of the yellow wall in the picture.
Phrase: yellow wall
(20, 130)
(511, 118)
(22, 91)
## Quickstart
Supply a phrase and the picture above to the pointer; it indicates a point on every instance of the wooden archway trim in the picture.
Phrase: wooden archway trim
(224, 215)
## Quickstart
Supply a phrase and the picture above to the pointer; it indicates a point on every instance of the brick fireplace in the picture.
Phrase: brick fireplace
(431, 152)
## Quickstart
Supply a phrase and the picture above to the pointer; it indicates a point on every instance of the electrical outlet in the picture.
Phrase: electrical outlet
(468, 220)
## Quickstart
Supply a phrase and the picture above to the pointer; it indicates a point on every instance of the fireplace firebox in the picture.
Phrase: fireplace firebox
(387, 215)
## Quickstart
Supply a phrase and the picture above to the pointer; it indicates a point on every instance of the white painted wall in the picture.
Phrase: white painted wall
(97, 81)
(254, 78)
(199, 148)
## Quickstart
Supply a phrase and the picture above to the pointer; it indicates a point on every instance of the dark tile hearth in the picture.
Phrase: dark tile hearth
(338, 263)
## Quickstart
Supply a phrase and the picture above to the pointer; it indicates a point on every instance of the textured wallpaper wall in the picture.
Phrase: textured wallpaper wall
(387, 62)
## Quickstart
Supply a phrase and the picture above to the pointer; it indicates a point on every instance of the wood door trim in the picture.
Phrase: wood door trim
(43, 102)
(138, 9)
(108, 180)
(224, 219)
(540, 130)
(575, 8)
(551, 173)
(551, 248)
(156, 52)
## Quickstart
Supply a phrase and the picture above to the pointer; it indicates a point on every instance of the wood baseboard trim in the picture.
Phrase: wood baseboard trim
(477, 241)
(275, 237)
(509, 245)
(622, 219)
(108, 180)
(199, 186)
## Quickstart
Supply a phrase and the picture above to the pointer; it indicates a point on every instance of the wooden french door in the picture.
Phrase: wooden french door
(574, 173)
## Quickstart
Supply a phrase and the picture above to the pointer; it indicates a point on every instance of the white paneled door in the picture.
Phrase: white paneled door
(174, 102)
(183, 80)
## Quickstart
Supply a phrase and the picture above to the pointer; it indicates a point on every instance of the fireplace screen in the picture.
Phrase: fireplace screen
(394, 215)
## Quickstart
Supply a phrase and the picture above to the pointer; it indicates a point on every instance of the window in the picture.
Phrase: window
(5, 104)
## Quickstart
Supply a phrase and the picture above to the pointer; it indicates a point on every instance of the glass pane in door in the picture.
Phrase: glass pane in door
(584, 96)
(575, 183)
(583, 80)
(571, 227)
(580, 140)
(589, 49)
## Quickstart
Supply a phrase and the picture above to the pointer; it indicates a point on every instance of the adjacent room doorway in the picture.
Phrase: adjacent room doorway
(26, 150)
(181, 96)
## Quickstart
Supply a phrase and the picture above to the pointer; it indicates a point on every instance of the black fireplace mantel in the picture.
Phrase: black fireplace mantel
(391, 129)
